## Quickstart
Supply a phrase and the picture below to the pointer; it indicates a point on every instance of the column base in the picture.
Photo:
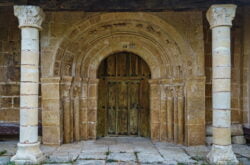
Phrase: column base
(222, 155)
(28, 154)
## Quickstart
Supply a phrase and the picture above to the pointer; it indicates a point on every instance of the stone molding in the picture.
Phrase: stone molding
(48, 80)
(29, 16)
(221, 15)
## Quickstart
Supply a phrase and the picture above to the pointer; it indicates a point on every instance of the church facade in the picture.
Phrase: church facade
(172, 76)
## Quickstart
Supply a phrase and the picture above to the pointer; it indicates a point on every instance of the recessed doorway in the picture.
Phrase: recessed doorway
(123, 96)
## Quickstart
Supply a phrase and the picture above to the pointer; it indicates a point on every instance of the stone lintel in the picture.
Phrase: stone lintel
(221, 15)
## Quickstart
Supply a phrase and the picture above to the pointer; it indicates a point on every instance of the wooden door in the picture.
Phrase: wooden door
(123, 96)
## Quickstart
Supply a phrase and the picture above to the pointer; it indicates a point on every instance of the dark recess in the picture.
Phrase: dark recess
(122, 5)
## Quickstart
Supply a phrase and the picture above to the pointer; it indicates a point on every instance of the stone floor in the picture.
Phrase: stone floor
(122, 151)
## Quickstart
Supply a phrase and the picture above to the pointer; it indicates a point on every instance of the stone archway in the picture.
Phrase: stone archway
(176, 89)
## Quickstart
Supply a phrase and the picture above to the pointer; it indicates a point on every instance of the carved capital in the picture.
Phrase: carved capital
(221, 15)
(29, 16)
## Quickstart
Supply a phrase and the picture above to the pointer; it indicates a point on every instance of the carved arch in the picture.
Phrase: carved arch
(83, 37)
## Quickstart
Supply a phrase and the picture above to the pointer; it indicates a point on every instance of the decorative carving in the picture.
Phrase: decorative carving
(29, 16)
(66, 85)
(221, 15)
(179, 91)
(77, 87)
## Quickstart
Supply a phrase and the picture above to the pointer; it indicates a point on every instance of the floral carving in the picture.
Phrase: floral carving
(221, 15)
(29, 16)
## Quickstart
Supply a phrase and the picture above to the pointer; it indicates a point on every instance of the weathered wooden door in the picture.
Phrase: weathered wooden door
(123, 96)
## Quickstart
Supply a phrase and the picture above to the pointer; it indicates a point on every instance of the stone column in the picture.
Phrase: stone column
(155, 107)
(66, 83)
(30, 19)
(220, 18)
(92, 108)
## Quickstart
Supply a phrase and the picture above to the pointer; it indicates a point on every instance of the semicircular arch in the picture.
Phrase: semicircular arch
(85, 36)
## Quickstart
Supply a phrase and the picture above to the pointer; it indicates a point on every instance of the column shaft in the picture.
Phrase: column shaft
(221, 85)
(29, 85)
(220, 18)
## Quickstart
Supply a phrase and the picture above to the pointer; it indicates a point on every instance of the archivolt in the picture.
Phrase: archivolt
(90, 41)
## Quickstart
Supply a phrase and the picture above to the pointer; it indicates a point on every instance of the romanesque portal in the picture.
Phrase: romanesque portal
(75, 83)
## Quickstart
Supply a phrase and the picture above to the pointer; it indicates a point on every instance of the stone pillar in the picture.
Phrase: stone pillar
(84, 109)
(194, 92)
(51, 113)
(155, 107)
(92, 108)
(66, 83)
(220, 18)
(30, 19)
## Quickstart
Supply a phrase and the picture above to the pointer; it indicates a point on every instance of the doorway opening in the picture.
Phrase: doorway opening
(123, 96)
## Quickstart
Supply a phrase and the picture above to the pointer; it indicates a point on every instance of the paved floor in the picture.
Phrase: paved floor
(123, 151)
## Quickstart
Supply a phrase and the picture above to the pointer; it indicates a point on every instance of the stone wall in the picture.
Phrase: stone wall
(245, 69)
(9, 66)
(10, 59)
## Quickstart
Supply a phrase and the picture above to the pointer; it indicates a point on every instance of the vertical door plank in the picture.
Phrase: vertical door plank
(101, 111)
(134, 65)
(144, 108)
(121, 65)
(122, 108)
(102, 70)
(111, 66)
(145, 71)
(111, 117)
(133, 107)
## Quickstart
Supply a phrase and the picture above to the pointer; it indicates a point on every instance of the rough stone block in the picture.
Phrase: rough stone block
(155, 116)
(155, 104)
(196, 135)
(50, 104)
(50, 91)
(51, 118)
(92, 115)
(92, 92)
(51, 135)
(155, 131)
(6, 102)
(222, 136)
(238, 140)
(91, 130)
